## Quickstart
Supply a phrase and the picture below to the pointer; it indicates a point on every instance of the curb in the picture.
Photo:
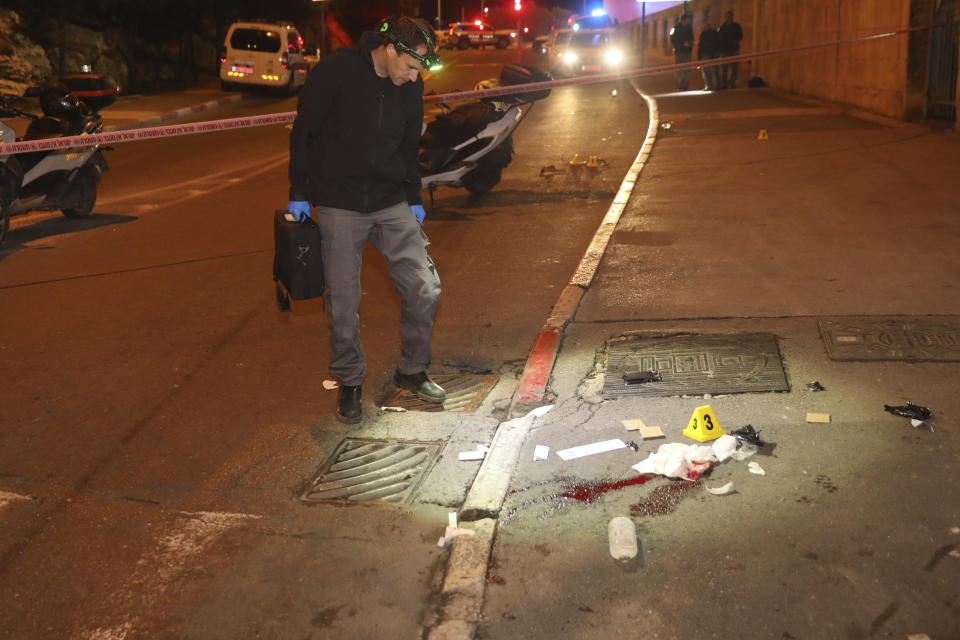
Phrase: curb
(535, 377)
(466, 573)
(179, 113)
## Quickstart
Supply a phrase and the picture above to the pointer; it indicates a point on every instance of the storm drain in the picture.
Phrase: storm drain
(372, 470)
(892, 338)
(695, 365)
(465, 392)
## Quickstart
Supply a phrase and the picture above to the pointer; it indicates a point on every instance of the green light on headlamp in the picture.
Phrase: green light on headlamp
(430, 61)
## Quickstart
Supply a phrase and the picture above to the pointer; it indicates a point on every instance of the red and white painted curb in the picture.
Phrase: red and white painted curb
(179, 113)
(536, 374)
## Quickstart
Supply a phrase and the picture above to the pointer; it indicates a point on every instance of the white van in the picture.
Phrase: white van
(263, 54)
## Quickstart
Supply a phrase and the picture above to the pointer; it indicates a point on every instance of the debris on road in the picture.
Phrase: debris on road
(822, 418)
(330, 385)
(725, 490)
(541, 452)
(648, 433)
(453, 532)
(613, 93)
(549, 171)
(748, 434)
(909, 410)
(633, 445)
(686, 461)
(815, 386)
(633, 425)
(640, 377)
(393, 409)
(476, 454)
(756, 468)
(622, 537)
(591, 449)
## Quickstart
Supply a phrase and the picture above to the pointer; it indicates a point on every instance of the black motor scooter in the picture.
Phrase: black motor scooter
(64, 180)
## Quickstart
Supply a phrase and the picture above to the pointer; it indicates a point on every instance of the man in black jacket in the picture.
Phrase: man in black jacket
(353, 155)
(681, 37)
(708, 48)
(730, 36)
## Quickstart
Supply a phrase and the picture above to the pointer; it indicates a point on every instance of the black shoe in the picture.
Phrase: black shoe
(422, 385)
(349, 409)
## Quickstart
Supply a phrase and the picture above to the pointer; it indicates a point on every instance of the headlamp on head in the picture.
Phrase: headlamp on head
(430, 60)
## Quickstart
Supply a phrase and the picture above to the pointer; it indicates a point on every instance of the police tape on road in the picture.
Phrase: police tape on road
(151, 133)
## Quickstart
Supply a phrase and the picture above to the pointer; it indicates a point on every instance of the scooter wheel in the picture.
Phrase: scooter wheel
(81, 198)
(481, 180)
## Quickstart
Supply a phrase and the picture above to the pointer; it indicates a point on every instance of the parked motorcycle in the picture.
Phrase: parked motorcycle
(469, 146)
(62, 179)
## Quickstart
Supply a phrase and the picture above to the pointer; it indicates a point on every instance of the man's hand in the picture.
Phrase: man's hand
(419, 212)
(300, 209)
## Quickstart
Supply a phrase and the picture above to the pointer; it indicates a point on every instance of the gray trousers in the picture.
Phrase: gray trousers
(683, 77)
(398, 237)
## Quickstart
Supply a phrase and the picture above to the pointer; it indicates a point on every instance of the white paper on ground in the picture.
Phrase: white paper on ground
(452, 532)
(394, 409)
(330, 384)
(591, 449)
(452, 519)
(539, 411)
(725, 490)
(541, 452)
(675, 459)
(472, 455)
(724, 446)
(756, 468)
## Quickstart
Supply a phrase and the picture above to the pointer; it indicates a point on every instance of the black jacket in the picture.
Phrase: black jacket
(730, 37)
(356, 138)
(709, 45)
(680, 36)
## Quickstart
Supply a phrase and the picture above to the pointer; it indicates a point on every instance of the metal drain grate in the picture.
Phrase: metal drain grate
(892, 338)
(465, 392)
(696, 364)
(371, 470)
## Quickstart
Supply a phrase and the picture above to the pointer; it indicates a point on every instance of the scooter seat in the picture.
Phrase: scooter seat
(47, 127)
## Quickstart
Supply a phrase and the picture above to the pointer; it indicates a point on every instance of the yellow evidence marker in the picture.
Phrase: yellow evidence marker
(703, 425)
(763, 135)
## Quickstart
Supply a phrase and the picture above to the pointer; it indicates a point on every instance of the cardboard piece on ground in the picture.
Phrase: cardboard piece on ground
(591, 449)
(633, 425)
(472, 455)
(541, 452)
(651, 432)
(819, 417)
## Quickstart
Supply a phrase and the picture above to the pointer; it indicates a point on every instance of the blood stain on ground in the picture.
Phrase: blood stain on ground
(664, 500)
(583, 491)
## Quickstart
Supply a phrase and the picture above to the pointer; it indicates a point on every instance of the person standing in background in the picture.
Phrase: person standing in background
(681, 37)
(730, 36)
(708, 48)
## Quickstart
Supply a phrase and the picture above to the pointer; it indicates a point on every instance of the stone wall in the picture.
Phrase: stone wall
(23, 62)
(885, 76)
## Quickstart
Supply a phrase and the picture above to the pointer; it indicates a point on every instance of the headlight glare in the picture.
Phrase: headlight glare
(569, 57)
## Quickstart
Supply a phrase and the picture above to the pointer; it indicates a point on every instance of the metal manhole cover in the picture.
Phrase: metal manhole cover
(892, 338)
(696, 364)
(372, 470)
(465, 392)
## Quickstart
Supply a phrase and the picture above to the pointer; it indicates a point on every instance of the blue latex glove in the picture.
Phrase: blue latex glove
(300, 209)
(418, 211)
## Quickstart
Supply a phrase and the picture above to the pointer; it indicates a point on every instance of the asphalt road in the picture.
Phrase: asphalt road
(159, 413)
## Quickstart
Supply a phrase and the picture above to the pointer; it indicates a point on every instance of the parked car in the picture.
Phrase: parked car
(588, 52)
(263, 54)
(466, 35)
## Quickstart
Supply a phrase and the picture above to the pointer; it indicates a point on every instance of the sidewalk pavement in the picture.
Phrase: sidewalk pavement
(756, 213)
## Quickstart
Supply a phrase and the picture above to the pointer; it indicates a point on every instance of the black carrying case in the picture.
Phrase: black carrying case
(297, 259)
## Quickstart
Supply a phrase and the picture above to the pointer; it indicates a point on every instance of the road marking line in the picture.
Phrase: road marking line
(159, 568)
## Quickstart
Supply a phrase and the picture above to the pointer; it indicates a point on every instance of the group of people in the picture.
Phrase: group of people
(713, 43)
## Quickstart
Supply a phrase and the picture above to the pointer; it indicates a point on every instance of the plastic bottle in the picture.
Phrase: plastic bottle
(623, 539)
